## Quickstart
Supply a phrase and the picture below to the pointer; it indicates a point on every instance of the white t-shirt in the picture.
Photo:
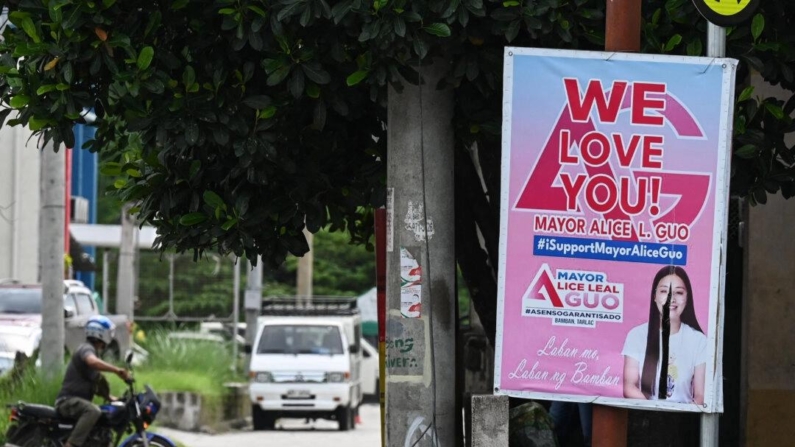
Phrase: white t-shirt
(686, 350)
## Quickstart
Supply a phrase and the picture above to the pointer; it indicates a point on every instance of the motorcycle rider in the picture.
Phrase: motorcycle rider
(82, 377)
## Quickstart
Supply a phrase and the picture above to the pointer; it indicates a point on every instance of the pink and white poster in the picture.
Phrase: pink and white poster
(613, 212)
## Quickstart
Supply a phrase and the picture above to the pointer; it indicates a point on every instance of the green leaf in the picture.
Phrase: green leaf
(45, 89)
(356, 78)
(267, 112)
(30, 29)
(258, 10)
(746, 94)
(312, 90)
(188, 76)
(673, 42)
(510, 3)
(748, 151)
(110, 169)
(777, 111)
(194, 168)
(278, 76)
(400, 26)
(192, 219)
(257, 102)
(145, 58)
(316, 73)
(35, 124)
(120, 183)
(19, 101)
(757, 26)
(438, 29)
(229, 224)
(214, 200)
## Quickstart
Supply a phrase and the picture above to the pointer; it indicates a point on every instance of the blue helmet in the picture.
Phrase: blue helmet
(100, 328)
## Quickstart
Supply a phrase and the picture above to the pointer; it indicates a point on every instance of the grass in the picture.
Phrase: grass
(172, 365)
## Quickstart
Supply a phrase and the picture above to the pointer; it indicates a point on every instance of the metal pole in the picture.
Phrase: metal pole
(171, 313)
(235, 310)
(51, 253)
(622, 34)
(105, 279)
(716, 47)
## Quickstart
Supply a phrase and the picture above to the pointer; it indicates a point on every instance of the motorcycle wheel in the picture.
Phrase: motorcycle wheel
(36, 439)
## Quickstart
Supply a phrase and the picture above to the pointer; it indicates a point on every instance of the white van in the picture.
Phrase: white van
(306, 363)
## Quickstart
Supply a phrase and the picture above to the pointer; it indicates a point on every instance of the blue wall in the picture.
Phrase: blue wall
(85, 173)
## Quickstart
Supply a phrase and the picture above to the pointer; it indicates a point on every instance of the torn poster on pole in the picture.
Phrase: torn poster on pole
(410, 285)
(613, 213)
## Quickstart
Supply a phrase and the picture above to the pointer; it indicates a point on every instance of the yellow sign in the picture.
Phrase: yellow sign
(726, 12)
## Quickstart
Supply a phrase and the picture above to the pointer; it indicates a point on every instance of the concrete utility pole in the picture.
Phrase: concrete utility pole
(51, 253)
(304, 273)
(253, 300)
(420, 266)
(125, 282)
(622, 34)
(235, 309)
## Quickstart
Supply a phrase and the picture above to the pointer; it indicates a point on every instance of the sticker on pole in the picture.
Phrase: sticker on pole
(615, 179)
(726, 12)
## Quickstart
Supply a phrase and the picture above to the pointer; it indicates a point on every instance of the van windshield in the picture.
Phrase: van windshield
(300, 339)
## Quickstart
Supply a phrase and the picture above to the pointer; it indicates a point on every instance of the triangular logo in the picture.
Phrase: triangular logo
(543, 289)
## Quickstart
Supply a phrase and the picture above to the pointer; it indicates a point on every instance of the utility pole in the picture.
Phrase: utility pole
(125, 283)
(51, 253)
(235, 310)
(710, 422)
(420, 265)
(623, 35)
(304, 273)
(253, 300)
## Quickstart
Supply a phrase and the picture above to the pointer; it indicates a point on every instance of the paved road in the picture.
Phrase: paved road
(293, 433)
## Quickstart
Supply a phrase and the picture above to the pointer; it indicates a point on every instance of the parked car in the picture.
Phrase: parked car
(370, 371)
(225, 330)
(6, 363)
(20, 338)
(20, 305)
(189, 336)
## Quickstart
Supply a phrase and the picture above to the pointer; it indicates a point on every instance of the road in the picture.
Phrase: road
(293, 432)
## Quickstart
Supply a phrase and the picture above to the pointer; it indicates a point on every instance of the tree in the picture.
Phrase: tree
(219, 159)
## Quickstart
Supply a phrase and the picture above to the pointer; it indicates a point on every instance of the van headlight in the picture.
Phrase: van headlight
(335, 377)
(262, 377)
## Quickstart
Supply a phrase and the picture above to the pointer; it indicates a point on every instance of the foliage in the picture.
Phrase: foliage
(233, 123)
(340, 268)
(185, 365)
(204, 288)
(31, 386)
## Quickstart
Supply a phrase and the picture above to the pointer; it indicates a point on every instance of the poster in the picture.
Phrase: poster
(410, 285)
(613, 212)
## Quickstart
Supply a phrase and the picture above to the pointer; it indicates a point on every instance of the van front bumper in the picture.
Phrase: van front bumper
(297, 397)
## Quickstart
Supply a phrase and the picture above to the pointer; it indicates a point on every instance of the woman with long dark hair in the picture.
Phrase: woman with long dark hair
(685, 365)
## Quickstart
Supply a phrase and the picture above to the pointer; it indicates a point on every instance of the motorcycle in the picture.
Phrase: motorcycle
(35, 425)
